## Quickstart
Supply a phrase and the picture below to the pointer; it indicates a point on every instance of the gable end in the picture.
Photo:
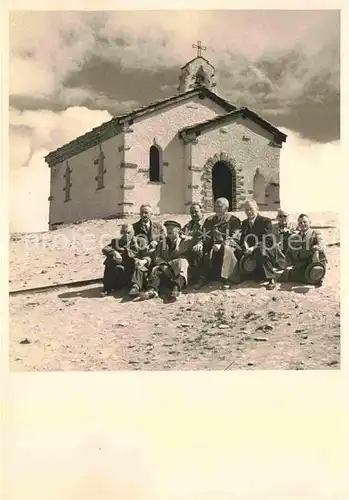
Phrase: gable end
(230, 117)
(115, 126)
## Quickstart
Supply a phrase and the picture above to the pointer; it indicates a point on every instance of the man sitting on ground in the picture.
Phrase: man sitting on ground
(219, 230)
(193, 231)
(258, 241)
(306, 254)
(148, 230)
(122, 264)
(282, 232)
(170, 261)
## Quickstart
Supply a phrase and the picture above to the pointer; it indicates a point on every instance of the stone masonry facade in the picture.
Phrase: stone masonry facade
(106, 172)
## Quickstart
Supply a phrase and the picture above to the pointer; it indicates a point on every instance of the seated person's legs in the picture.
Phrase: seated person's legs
(195, 267)
(153, 282)
(114, 278)
(137, 281)
(216, 264)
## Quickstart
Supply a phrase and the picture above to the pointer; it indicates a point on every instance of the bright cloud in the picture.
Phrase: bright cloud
(51, 45)
(305, 165)
(33, 135)
(56, 44)
(310, 175)
(48, 47)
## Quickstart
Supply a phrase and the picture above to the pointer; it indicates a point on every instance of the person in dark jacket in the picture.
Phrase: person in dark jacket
(145, 228)
(192, 230)
(170, 263)
(217, 243)
(258, 241)
(125, 264)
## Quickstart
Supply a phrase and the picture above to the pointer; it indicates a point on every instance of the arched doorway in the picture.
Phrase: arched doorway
(224, 183)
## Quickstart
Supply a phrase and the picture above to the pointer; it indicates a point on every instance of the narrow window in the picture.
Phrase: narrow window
(100, 170)
(259, 188)
(68, 184)
(155, 164)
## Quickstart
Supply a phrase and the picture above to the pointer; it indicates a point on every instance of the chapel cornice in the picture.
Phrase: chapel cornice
(122, 124)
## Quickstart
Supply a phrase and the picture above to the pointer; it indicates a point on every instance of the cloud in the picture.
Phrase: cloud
(274, 59)
(310, 174)
(306, 166)
(76, 96)
(51, 44)
(81, 68)
(32, 135)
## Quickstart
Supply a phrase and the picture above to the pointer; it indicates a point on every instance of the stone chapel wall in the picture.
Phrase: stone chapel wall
(88, 200)
(247, 147)
(168, 196)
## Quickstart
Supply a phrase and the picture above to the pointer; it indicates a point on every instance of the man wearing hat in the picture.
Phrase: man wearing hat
(170, 263)
(306, 254)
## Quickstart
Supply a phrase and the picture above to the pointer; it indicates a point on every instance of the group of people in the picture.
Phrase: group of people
(150, 255)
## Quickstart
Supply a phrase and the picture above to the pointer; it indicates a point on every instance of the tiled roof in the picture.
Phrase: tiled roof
(114, 126)
(244, 113)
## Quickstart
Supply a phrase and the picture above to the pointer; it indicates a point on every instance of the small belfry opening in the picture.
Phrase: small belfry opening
(224, 183)
(198, 72)
(155, 164)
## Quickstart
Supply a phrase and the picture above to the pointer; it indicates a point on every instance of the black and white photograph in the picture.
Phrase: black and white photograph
(174, 190)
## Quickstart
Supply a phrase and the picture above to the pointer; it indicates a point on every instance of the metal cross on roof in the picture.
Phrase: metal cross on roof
(199, 47)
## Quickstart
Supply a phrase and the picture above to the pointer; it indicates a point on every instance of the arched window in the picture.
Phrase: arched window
(155, 164)
(259, 188)
(100, 170)
(68, 184)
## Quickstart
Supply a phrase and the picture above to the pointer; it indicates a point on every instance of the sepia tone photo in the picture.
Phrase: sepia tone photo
(174, 190)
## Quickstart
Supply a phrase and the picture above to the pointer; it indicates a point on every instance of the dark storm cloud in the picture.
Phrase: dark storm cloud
(125, 61)
(313, 111)
(115, 82)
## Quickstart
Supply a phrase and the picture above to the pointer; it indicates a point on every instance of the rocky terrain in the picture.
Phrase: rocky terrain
(245, 327)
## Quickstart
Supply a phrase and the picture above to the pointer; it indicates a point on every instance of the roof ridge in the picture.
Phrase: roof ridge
(243, 111)
(108, 128)
(197, 57)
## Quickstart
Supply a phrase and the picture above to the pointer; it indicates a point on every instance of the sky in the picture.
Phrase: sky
(70, 71)
(151, 438)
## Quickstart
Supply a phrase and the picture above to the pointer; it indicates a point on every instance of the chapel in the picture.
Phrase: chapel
(193, 146)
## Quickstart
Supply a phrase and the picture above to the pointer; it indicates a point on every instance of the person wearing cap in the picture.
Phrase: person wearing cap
(217, 244)
(170, 263)
(257, 241)
(306, 253)
(125, 263)
(192, 230)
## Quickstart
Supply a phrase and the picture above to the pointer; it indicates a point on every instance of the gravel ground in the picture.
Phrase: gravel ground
(246, 327)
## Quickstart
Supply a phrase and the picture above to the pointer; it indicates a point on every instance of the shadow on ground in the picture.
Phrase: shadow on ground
(95, 292)
(90, 293)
